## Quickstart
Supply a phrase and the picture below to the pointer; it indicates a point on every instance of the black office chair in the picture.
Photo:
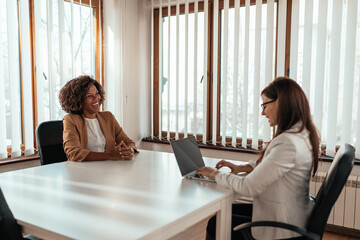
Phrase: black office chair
(329, 192)
(9, 229)
(49, 136)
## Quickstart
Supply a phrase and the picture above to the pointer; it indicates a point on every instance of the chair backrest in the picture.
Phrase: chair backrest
(9, 229)
(331, 188)
(49, 136)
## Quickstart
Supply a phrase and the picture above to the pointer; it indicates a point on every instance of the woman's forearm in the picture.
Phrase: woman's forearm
(246, 168)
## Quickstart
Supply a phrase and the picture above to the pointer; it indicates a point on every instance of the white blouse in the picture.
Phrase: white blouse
(279, 184)
(96, 138)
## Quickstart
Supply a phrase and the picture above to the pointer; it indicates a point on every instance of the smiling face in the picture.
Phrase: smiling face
(91, 102)
(270, 110)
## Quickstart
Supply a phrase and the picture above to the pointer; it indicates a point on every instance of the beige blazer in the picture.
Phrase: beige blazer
(279, 185)
(75, 139)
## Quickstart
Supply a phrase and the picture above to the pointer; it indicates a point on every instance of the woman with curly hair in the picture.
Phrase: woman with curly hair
(90, 134)
(279, 180)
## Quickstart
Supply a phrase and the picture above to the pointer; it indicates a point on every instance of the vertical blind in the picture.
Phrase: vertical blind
(64, 36)
(3, 142)
(64, 48)
(10, 101)
(325, 60)
(183, 69)
(215, 69)
(251, 40)
(247, 60)
(224, 76)
(26, 78)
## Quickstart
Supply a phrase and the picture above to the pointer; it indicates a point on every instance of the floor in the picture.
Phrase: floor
(335, 236)
(197, 232)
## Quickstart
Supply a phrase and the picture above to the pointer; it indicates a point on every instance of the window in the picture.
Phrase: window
(248, 51)
(175, 69)
(42, 45)
(68, 37)
(10, 97)
(209, 52)
(248, 43)
(325, 59)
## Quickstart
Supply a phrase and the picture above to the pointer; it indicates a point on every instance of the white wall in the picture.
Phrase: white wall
(131, 71)
(145, 68)
(127, 30)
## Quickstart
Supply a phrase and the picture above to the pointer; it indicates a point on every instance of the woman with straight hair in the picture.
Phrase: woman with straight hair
(279, 180)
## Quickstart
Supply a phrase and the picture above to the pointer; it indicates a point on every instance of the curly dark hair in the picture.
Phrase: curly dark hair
(72, 95)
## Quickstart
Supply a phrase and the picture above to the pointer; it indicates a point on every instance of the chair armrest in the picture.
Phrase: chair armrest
(290, 227)
(243, 218)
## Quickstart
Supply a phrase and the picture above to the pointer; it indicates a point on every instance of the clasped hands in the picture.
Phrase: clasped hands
(212, 172)
(123, 152)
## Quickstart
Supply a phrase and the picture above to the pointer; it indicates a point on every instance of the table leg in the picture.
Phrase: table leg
(223, 220)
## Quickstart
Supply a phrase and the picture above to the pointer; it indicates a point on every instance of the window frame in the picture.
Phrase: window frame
(156, 61)
(239, 140)
(210, 97)
(99, 59)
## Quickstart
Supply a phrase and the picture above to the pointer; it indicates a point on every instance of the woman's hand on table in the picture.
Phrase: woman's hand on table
(207, 172)
(235, 169)
(123, 152)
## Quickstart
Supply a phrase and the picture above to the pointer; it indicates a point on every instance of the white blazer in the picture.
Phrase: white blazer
(279, 185)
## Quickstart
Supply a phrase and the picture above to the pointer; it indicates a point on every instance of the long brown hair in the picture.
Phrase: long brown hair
(293, 107)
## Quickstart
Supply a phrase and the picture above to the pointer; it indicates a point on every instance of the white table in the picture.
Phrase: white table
(145, 198)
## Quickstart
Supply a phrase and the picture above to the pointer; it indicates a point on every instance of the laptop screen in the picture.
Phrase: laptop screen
(187, 154)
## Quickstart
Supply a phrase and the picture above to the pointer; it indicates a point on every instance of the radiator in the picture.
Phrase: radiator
(346, 210)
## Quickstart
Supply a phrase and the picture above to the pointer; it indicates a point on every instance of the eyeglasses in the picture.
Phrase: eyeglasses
(263, 106)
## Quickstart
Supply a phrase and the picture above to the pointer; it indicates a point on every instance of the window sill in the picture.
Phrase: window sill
(207, 146)
(5, 161)
(323, 158)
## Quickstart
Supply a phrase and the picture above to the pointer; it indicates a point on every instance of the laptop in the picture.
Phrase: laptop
(188, 157)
